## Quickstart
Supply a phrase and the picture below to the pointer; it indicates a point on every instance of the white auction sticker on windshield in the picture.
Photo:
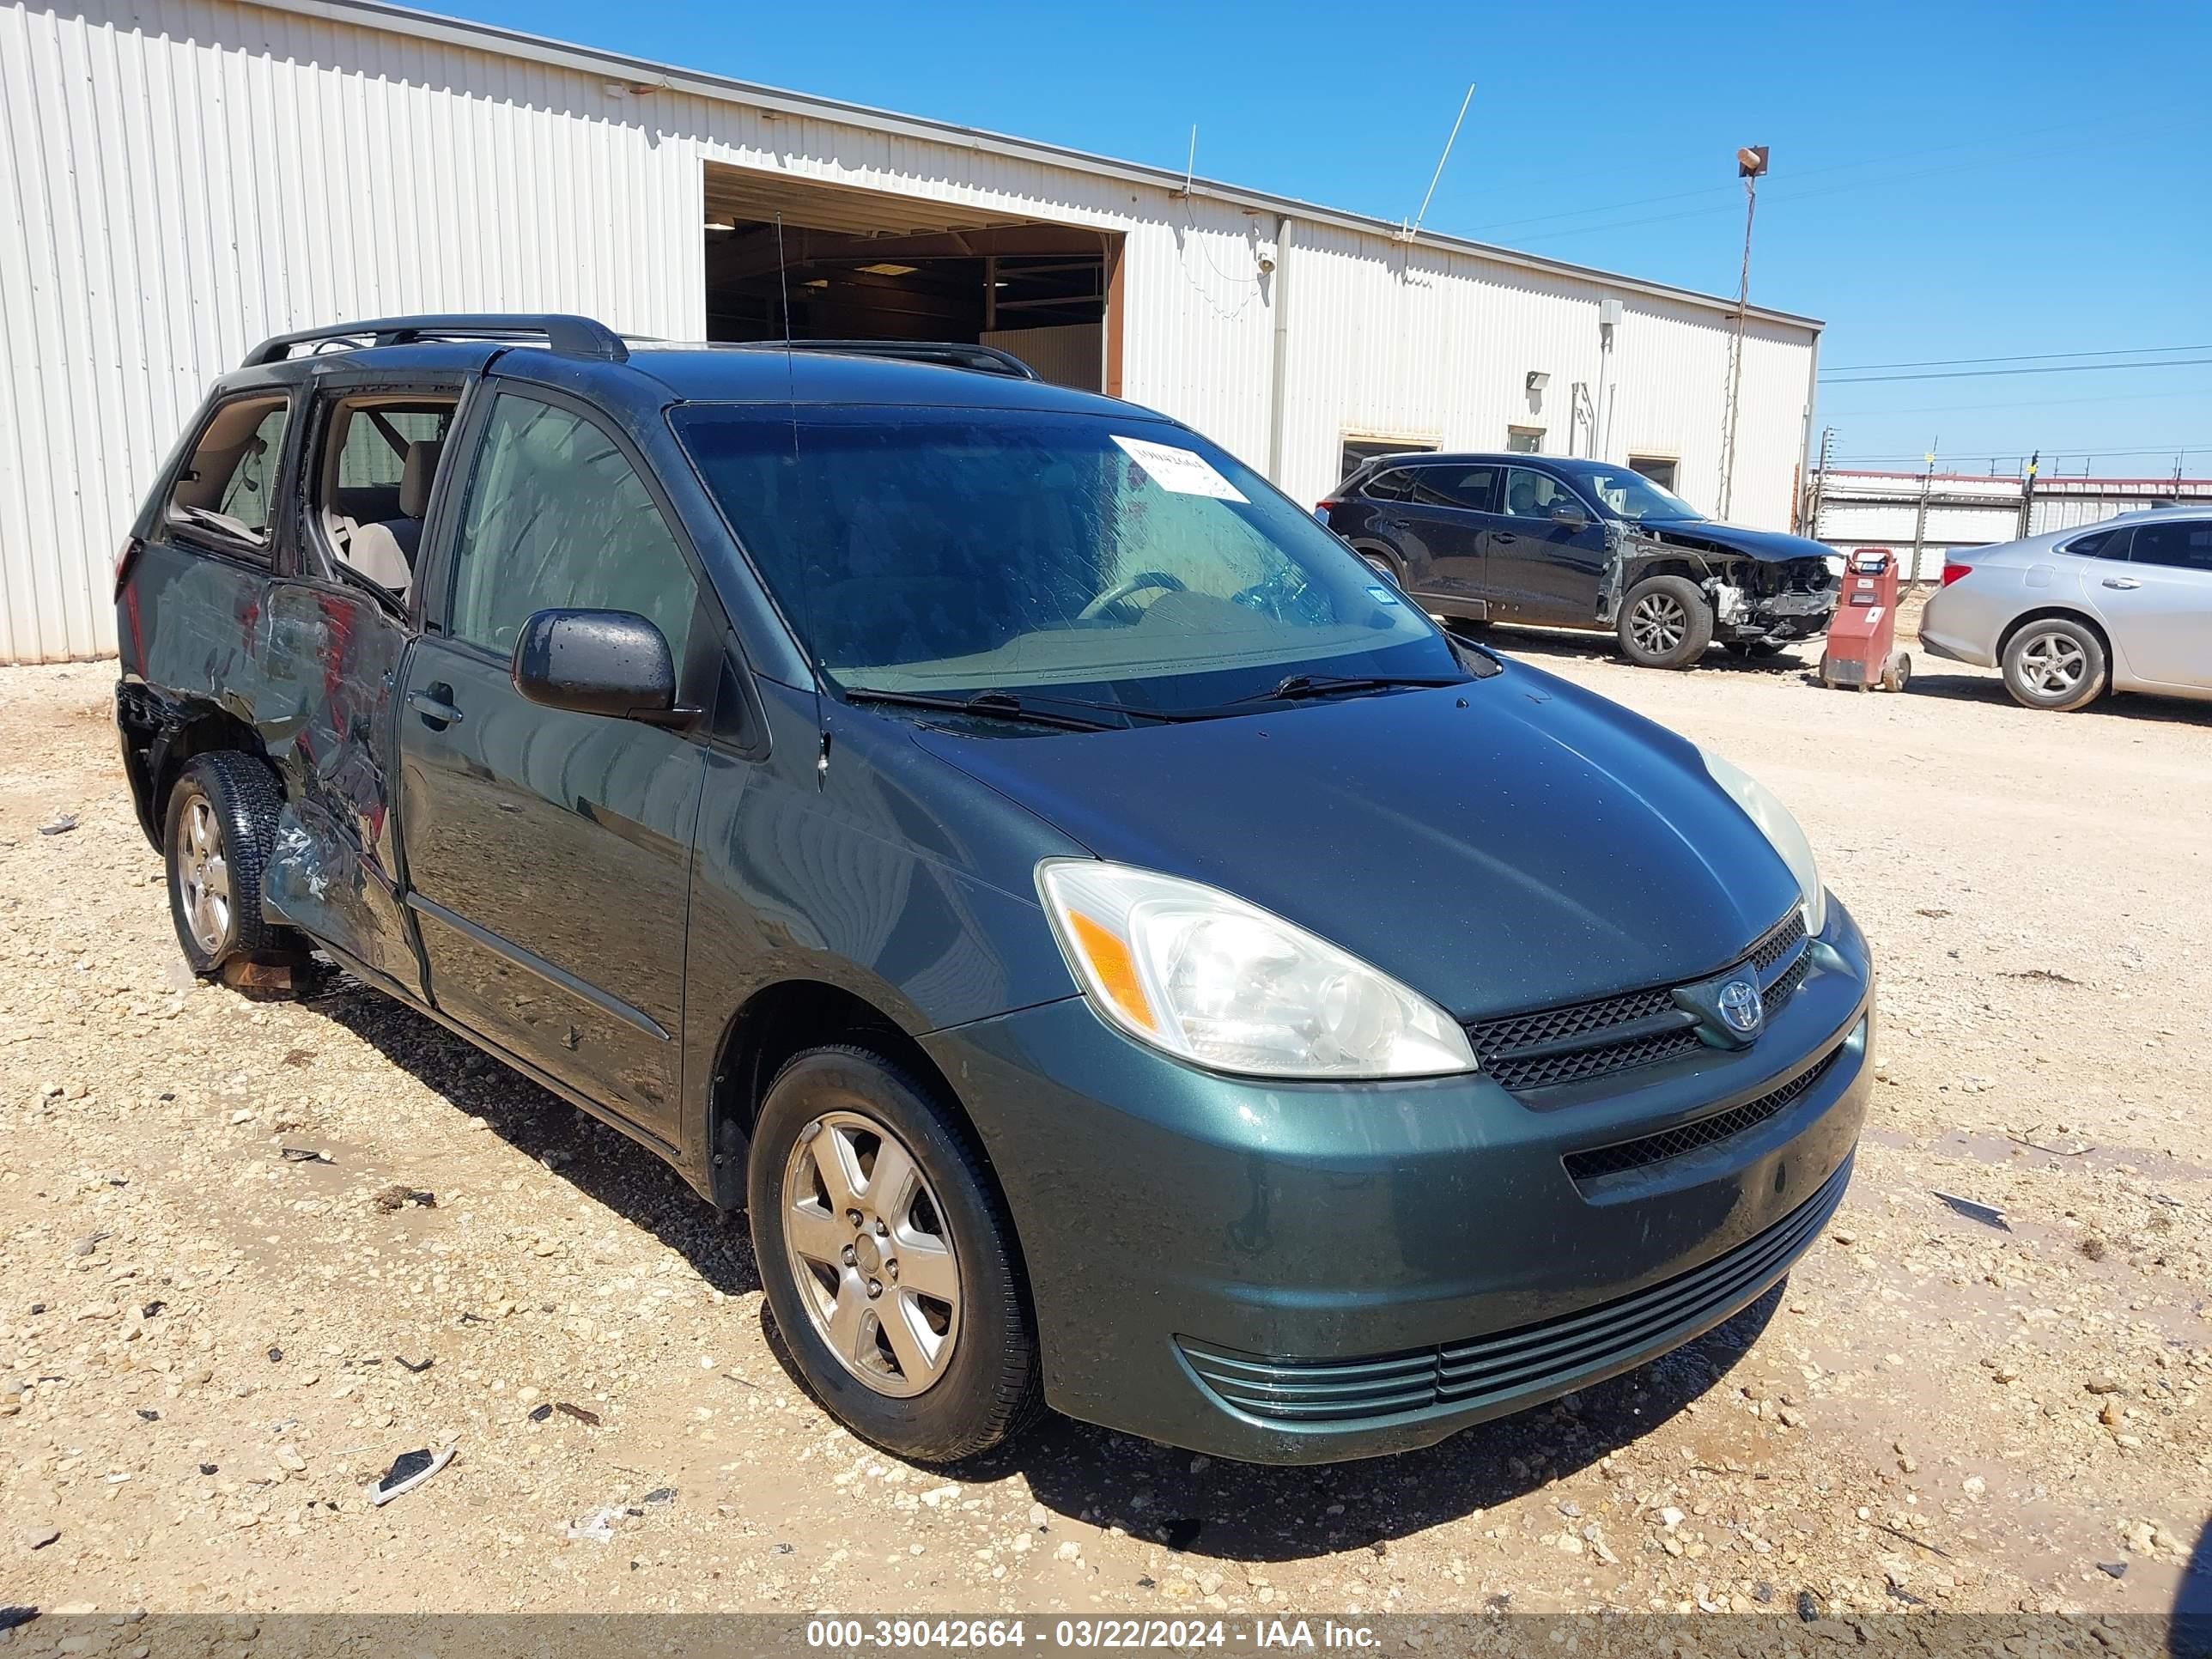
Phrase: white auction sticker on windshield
(1184, 472)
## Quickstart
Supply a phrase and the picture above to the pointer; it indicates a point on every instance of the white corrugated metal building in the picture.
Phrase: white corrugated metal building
(185, 177)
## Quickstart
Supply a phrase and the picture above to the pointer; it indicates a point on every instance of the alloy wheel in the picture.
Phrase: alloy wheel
(866, 1243)
(203, 874)
(1658, 623)
(2053, 664)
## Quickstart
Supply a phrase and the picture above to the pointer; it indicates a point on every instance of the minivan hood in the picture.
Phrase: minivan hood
(1503, 845)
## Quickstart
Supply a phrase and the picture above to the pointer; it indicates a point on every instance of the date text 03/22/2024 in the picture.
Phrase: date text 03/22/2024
(854, 1635)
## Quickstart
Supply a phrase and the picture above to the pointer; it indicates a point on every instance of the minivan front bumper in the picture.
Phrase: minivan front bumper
(1298, 1272)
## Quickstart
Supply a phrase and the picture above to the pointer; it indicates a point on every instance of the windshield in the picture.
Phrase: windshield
(1622, 494)
(951, 551)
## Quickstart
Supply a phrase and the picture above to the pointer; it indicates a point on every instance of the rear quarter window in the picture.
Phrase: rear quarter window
(225, 496)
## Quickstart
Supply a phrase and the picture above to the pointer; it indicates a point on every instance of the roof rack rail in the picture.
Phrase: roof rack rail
(570, 337)
(984, 360)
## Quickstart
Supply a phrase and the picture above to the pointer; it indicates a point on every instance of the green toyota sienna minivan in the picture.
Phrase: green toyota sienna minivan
(1121, 954)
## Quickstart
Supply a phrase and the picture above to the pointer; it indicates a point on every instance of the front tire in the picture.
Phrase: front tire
(1665, 622)
(2056, 664)
(217, 836)
(888, 1259)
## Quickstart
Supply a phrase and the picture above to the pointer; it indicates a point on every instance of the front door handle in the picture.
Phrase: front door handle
(1504, 536)
(2122, 581)
(435, 707)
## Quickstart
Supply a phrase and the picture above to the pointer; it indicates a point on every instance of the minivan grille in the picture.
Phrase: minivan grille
(1646, 1150)
(1524, 1364)
(1584, 1040)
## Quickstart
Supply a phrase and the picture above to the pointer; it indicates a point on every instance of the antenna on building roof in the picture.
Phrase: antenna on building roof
(1190, 165)
(1410, 231)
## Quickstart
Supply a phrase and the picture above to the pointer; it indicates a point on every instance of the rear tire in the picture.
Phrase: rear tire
(932, 1378)
(1665, 622)
(2056, 664)
(217, 836)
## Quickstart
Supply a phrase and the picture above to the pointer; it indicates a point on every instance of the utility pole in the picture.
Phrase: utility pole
(2027, 495)
(1750, 165)
(1820, 480)
(1920, 520)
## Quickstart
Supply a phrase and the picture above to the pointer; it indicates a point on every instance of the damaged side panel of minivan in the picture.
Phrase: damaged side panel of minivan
(301, 675)
(333, 663)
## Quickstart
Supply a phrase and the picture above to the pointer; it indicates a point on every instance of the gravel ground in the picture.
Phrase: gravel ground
(209, 1350)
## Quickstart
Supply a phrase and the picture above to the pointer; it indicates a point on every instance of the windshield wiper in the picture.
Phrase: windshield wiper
(984, 705)
(1299, 688)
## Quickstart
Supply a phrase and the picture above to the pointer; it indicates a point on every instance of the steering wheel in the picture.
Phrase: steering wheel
(1120, 591)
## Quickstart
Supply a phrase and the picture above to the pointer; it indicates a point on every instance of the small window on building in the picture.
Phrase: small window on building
(1524, 440)
(1662, 470)
(1357, 452)
(2179, 544)
(226, 492)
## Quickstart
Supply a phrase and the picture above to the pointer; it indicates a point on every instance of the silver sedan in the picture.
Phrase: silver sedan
(2124, 605)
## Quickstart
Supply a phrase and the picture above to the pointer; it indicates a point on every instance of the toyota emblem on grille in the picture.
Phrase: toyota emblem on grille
(1740, 1006)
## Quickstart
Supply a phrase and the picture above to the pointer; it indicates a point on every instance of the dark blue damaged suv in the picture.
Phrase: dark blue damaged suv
(1122, 956)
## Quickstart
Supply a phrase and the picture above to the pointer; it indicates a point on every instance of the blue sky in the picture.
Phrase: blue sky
(1949, 180)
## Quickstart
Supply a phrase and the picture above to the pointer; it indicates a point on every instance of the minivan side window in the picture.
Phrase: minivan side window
(557, 517)
(2179, 544)
(227, 489)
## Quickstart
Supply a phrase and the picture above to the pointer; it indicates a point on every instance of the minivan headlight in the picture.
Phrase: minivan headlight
(1203, 976)
(1761, 806)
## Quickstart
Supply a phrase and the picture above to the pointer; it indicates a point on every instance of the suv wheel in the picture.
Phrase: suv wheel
(1665, 622)
(221, 825)
(888, 1260)
(2055, 663)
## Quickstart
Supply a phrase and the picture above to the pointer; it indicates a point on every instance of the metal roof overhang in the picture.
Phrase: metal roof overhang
(647, 76)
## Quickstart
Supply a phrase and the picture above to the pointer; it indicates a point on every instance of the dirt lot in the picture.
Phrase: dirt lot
(206, 1350)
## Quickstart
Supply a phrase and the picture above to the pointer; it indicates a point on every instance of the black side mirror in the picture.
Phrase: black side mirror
(596, 662)
(1567, 513)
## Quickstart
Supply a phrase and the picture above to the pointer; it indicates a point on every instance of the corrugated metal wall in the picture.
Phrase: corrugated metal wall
(1884, 509)
(185, 177)
(1436, 347)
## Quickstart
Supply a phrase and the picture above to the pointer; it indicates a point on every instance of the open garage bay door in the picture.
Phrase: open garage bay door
(876, 265)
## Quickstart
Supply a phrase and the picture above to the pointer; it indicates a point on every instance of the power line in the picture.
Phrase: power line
(1802, 173)
(2009, 402)
(1981, 373)
(2021, 358)
(2048, 453)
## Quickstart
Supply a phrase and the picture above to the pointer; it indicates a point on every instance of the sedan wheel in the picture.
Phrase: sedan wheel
(867, 1246)
(2055, 663)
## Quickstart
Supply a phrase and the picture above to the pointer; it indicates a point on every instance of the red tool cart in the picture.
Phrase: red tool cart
(1862, 639)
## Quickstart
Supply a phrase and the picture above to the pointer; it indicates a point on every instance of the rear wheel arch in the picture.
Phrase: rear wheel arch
(2059, 612)
(194, 730)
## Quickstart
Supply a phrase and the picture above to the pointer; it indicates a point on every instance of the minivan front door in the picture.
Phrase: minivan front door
(548, 852)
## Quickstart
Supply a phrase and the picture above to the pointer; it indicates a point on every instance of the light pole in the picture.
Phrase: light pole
(1750, 165)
